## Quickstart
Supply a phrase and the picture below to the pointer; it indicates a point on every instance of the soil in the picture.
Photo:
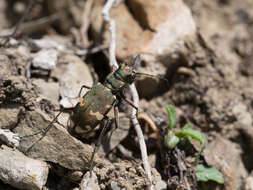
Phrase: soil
(209, 77)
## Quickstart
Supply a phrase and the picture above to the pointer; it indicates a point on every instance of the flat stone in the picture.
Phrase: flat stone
(231, 167)
(9, 115)
(45, 59)
(89, 182)
(249, 182)
(113, 138)
(159, 27)
(72, 73)
(20, 171)
(9, 138)
(171, 21)
(48, 89)
(57, 146)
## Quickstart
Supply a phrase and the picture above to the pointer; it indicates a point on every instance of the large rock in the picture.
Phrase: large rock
(50, 90)
(114, 137)
(226, 157)
(9, 115)
(159, 27)
(20, 171)
(57, 146)
(72, 73)
(249, 182)
(89, 182)
(170, 22)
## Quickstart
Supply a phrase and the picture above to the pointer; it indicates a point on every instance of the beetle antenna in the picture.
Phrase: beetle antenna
(152, 76)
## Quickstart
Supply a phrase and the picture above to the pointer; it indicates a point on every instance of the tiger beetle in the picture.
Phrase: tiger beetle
(94, 106)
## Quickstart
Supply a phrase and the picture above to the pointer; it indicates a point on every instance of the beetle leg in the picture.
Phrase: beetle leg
(45, 130)
(130, 103)
(105, 122)
(83, 86)
(42, 131)
(116, 116)
(80, 92)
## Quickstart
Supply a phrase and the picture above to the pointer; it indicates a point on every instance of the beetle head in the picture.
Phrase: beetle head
(127, 69)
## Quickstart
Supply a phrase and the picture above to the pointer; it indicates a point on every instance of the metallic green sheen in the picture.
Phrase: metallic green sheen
(94, 105)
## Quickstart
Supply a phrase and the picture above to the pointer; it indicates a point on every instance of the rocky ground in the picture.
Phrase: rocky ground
(203, 48)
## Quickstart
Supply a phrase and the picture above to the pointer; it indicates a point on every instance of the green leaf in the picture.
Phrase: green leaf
(171, 140)
(195, 134)
(204, 174)
(188, 132)
(172, 116)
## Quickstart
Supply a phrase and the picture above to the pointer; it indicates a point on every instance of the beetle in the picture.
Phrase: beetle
(93, 108)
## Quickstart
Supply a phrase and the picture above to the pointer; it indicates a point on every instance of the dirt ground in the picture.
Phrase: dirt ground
(203, 48)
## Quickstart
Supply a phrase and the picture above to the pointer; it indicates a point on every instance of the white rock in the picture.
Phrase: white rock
(249, 183)
(89, 182)
(242, 114)
(170, 34)
(20, 171)
(9, 137)
(72, 73)
(47, 44)
(45, 59)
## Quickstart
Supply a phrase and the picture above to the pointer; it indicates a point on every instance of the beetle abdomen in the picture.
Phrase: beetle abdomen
(91, 109)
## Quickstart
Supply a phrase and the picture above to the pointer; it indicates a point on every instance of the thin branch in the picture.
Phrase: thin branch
(112, 29)
(113, 63)
(140, 136)
(27, 11)
(31, 26)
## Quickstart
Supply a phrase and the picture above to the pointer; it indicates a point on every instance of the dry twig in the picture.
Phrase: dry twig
(113, 63)
(140, 136)
(16, 28)
(86, 23)
(112, 48)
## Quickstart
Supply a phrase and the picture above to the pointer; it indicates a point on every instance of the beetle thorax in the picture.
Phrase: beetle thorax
(117, 80)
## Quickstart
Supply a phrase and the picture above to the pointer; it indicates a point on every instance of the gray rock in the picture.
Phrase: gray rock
(75, 176)
(20, 171)
(57, 146)
(161, 185)
(9, 115)
(5, 65)
(9, 138)
(170, 28)
(244, 121)
(45, 59)
(231, 167)
(48, 44)
(113, 138)
(89, 182)
(249, 182)
(72, 73)
(151, 65)
(48, 89)
(114, 186)
(157, 180)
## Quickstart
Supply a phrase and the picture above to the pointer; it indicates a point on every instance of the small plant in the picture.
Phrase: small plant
(187, 133)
